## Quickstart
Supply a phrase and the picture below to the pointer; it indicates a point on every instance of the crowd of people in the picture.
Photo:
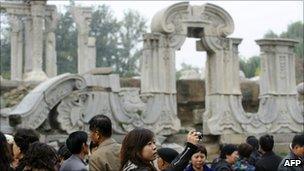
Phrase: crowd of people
(98, 151)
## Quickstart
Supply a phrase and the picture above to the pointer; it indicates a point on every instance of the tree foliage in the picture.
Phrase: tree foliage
(185, 67)
(105, 28)
(133, 26)
(250, 67)
(66, 44)
(4, 46)
(294, 31)
(270, 34)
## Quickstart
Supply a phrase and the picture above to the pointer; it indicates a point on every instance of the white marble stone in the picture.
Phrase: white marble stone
(17, 47)
(300, 88)
(51, 56)
(33, 13)
(34, 108)
(154, 105)
(278, 97)
(37, 12)
(28, 45)
(86, 45)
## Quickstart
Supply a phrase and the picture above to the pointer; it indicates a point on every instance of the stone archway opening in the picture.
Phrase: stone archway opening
(190, 78)
(190, 63)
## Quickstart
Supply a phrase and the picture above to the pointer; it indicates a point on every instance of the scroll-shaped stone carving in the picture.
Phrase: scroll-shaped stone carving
(71, 112)
(157, 114)
(34, 107)
(169, 21)
(219, 25)
(165, 20)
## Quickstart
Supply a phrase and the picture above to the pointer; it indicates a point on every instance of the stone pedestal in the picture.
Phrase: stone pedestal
(279, 107)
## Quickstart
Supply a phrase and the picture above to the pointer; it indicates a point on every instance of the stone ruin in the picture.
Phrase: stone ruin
(33, 26)
(67, 102)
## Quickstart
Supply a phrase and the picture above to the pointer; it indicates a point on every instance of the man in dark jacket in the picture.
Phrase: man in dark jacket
(256, 154)
(269, 161)
(296, 153)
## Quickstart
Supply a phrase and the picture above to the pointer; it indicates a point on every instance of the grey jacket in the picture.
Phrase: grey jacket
(74, 163)
(292, 168)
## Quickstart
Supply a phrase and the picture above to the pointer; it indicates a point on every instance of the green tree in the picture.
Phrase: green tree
(250, 67)
(185, 67)
(105, 28)
(133, 26)
(295, 31)
(66, 44)
(4, 45)
(270, 34)
(117, 41)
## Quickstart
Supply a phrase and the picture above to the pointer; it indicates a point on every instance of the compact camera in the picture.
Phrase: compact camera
(200, 135)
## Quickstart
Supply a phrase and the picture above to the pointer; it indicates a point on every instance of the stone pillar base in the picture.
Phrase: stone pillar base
(35, 76)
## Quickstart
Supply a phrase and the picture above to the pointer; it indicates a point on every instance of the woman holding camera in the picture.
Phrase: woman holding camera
(139, 150)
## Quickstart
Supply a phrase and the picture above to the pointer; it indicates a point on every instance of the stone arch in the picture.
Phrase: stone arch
(224, 112)
(211, 24)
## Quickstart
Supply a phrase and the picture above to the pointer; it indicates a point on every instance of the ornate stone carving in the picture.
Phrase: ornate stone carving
(155, 108)
(170, 22)
(71, 112)
(278, 105)
(35, 107)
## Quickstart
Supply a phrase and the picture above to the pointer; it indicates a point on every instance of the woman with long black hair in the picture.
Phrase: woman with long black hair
(5, 155)
(138, 151)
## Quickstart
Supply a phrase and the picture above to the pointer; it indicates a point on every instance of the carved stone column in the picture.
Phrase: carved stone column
(28, 45)
(37, 12)
(224, 113)
(82, 16)
(91, 62)
(51, 56)
(279, 108)
(158, 83)
(16, 47)
(157, 65)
